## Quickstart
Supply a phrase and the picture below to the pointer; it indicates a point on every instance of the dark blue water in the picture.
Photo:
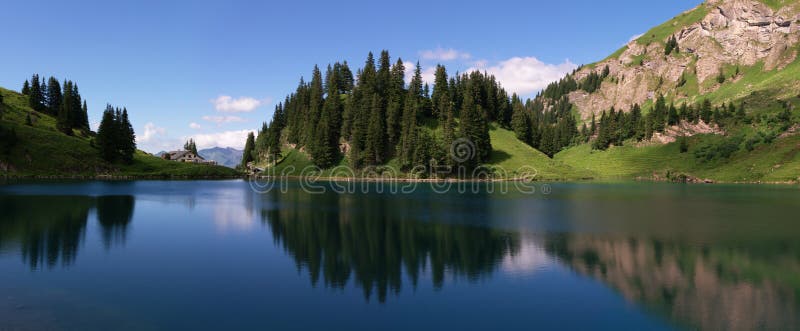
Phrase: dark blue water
(215, 255)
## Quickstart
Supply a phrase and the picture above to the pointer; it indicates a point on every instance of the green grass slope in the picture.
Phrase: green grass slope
(41, 150)
(513, 155)
(778, 161)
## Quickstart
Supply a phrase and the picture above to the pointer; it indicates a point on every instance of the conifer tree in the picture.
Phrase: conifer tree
(128, 138)
(35, 97)
(106, 135)
(54, 96)
(65, 111)
(672, 117)
(440, 90)
(408, 126)
(249, 146)
(326, 137)
(394, 107)
(520, 121)
(374, 147)
(26, 88)
(705, 111)
(474, 126)
(116, 139)
(190, 146)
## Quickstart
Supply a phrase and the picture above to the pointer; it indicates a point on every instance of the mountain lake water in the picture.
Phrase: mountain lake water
(223, 255)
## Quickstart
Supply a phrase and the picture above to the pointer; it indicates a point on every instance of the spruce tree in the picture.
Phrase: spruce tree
(106, 140)
(35, 98)
(26, 88)
(190, 146)
(474, 127)
(394, 107)
(705, 111)
(520, 121)
(411, 109)
(672, 117)
(54, 96)
(249, 146)
(127, 146)
(374, 147)
(65, 111)
(440, 90)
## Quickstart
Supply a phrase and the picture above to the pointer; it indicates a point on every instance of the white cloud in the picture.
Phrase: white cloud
(222, 119)
(151, 132)
(525, 75)
(228, 104)
(195, 126)
(235, 139)
(441, 54)
(155, 138)
(634, 37)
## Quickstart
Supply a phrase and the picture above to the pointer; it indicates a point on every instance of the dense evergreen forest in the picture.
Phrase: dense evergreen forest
(375, 117)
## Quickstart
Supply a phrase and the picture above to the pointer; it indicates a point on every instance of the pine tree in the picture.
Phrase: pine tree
(128, 138)
(36, 98)
(106, 135)
(54, 96)
(520, 121)
(672, 117)
(65, 111)
(84, 117)
(474, 127)
(705, 111)
(190, 146)
(440, 90)
(316, 93)
(394, 108)
(375, 145)
(247, 155)
(411, 110)
(326, 137)
(26, 88)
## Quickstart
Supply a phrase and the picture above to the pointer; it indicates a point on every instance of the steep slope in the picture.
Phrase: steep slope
(726, 49)
(41, 150)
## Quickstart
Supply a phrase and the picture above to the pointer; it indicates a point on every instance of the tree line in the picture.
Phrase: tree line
(62, 101)
(375, 117)
(615, 127)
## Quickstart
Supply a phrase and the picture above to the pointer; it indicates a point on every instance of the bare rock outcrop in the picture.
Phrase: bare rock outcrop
(729, 33)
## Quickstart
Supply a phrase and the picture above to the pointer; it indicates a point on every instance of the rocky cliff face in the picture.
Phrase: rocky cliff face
(718, 35)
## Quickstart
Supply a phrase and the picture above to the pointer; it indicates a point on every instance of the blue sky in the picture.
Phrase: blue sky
(214, 69)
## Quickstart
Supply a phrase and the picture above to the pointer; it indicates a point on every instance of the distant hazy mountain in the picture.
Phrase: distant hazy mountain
(229, 157)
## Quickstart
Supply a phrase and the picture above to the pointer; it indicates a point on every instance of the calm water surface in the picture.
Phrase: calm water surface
(214, 255)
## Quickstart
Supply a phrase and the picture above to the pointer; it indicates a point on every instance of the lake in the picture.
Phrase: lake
(225, 255)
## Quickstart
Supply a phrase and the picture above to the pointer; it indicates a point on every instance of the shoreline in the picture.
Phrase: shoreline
(639, 179)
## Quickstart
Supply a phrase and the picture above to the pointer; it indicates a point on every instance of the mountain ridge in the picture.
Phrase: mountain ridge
(733, 39)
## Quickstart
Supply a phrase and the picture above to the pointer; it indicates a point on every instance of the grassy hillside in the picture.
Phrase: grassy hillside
(43, 151)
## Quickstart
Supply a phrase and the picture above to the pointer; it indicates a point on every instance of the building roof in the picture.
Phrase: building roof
(175, 155)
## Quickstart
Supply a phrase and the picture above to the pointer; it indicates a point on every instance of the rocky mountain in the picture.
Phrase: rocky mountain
(725, 50)
(229, 157)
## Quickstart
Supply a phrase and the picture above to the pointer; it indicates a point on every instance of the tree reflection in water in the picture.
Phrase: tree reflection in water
(50, 229)
(366, 239)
